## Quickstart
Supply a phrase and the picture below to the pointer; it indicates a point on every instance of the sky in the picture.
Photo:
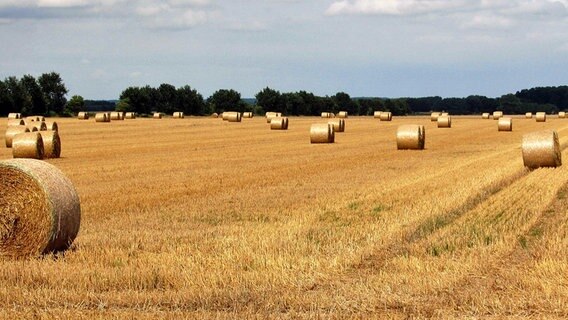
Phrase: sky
(384, 48)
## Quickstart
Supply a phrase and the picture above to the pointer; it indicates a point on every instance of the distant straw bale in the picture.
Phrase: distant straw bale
(157, 115)
(541, 149)
(14, 116)
(485, 115)
(28, 145)
(528, 115)
(102, 117)
(497, 115)
(434, 116)
(12, 131)
(16, 122)
(411, 136)
(234, 116)
(83, 116)
(561, 114)
(248, 115)
(179, 115)
(130, 115)
(42, 211)
(444, 122)
(322, 133)
(541, 117)
(505, 124)
(377, 114)
(343, 114)
(338, 125)
(278, 123)
(386, 116)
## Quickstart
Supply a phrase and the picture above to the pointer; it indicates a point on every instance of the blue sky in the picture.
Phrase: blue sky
(388, 48)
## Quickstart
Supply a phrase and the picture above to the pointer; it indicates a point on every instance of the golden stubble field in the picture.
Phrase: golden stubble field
(202, 218)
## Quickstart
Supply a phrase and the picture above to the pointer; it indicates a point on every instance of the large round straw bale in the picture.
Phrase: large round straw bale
(505, 124)
(130, 115)
(41, 126)
(279, 123)
(52, 126)
(410, 136)
(444, 122)
(41, 211)
(338, 125)
(51, 144)
(343, 114)
(434, 116)
(234, 117)
(377, 114)
(528, 115)
(386, 116)
(13, 131)
(322, 133)
(157, 115)
(541, 117)
(561, 114)
(28, 145)
(485, 115)
(83, 116)
(497, 115)
(179, 115)
(102, 117)
(16, 122)
(541, 149)
(14, 115)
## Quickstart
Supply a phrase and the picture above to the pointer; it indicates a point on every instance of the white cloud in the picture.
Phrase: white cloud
(62, 3)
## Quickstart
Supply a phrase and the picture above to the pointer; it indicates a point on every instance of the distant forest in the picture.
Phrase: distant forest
(47, 96)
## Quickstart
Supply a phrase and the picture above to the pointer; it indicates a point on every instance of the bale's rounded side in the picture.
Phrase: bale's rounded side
(157, 115)
(179, 115)
(541, 149)
(377, 114)
(528, 115)
(52, 126)
(497, 115)
(410, 137)
(234, 117)
(83, 116)
(248, 115)
(41, 209)
(485, 115)
(325, 114)
(130, 115)
(101, 117)
(505, 124)
(16, 122)
(444, 122)
(14, 115)
(386, 116)
(115, 115)
(277, 123)
(338, 125)
(434, 116)
(322, 133)
(28, 145)
(541, 117)
(11, 132)
(51, 144)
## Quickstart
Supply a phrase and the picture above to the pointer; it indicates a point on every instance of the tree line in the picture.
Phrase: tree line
(46, 95)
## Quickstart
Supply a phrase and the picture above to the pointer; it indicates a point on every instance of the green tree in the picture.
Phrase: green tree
(271, 100)
(510, 104)
(74, 105)
(54, 92)
(345, 103)
(35, 102)
(226, 100)
(124, 105)
(6, 102)
(167, 99)
(18, 94)
(190, 101)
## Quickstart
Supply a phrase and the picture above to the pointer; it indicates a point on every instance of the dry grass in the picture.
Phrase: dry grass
(271, 226)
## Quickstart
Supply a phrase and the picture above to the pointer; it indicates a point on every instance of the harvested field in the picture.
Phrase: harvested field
(256, 223)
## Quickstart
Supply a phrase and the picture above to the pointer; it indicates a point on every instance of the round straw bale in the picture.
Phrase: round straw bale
(31, 119)
(225, 116)
(214, 115)
(444, 114)
(485, 115)
(322, 133)
(325, 114)
(28, 145)
(497, 115)
(541, 117)
(130, 115)
(234, 117)
(285, 123)
(41, 126)
(14, 115)
(528, 115)
(41, 211)
(434, 116)
(115, 115)
(505, 124)
(386, 116)
(52, 126)
(102, 117)
(410, 136)
(377, 114)
(541, 149)
(561, 114)
(179, 115)
(278, 123)
(444, 122)
(338, 125)
(83, 116)
(157, 115)
(13, 131)
(51, 144)
(343, 114)
(248, 115)
(16, 122)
